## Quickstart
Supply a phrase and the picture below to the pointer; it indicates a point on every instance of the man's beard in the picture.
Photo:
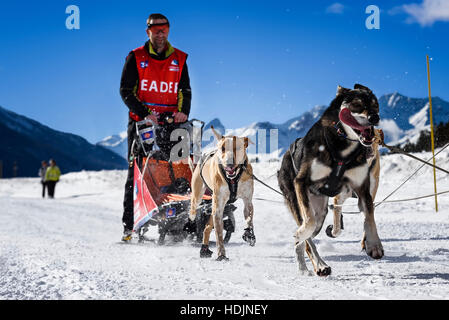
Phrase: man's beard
(159, 44)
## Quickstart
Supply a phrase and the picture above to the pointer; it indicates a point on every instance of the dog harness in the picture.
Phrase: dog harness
(340, 131)
(333, 184)
(203, 160)
(296, 146)
(232, 183)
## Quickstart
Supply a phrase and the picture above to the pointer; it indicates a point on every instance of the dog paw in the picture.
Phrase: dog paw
(249, 236)
(222, 258)
(323, 271)
(331, 232)
(375, 251)
(205, 252)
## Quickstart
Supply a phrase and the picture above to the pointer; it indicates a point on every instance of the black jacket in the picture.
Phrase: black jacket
(130, 81)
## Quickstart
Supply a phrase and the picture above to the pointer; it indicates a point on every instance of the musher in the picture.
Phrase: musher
(155, 82)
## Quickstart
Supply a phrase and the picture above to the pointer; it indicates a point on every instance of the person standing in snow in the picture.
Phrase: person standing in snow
(52, 177)
(154, 81)
(42, 171)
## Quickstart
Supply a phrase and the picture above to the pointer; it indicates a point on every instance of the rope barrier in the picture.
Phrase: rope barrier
(394, 191)
(400, 186)
(415, 198)
(395, 149)
(332, 206)
(399, 150)
(263, 199)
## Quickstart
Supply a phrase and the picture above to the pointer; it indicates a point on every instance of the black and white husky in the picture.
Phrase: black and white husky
(335, 158)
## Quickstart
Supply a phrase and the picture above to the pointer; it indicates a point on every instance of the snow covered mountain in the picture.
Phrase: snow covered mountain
(274, 139)
(402, 120)
(217, 126)
(26, 142)
(117, 143)
(287, 132)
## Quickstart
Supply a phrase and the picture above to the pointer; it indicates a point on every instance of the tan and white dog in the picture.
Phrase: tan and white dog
(228, 174)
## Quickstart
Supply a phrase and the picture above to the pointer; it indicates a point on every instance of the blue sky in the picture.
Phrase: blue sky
(248, 60)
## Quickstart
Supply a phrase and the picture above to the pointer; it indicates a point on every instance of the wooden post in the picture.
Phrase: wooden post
(432, 136)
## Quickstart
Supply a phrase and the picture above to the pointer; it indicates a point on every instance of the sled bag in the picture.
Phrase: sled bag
(144, 206)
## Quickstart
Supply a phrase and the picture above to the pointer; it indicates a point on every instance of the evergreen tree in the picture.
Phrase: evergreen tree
(424, 142)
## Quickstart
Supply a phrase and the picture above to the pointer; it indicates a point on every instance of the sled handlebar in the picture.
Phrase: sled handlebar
(151, 123)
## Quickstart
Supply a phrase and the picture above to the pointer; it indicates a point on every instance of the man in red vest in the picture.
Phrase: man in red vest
(155, 81)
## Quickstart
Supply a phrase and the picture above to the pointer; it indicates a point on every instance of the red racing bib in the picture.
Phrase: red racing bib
(158, 80)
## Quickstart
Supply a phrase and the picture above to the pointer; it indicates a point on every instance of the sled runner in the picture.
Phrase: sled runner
(162, 185)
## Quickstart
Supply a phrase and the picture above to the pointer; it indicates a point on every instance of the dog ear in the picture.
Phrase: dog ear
(361, 87)
(341, 90)
(247, 141)
(217, 135)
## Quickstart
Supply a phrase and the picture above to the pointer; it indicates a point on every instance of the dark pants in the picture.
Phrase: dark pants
(51, 188)
(128, 201)
(44, 185)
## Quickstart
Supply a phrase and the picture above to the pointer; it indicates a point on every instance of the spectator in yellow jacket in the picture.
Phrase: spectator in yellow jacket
(52, 177)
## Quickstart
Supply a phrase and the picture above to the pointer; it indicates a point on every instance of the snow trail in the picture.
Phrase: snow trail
(68, 248)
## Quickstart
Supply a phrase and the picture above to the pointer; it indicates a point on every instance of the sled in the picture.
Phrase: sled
(162, 187)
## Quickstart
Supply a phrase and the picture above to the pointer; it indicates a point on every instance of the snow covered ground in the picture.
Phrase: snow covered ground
(68, 248)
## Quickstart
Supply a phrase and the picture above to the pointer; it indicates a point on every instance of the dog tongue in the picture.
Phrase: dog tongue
(347, 118)
(229, 170)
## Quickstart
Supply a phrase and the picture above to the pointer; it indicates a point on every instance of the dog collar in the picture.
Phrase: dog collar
(341, 132)
(233, 183)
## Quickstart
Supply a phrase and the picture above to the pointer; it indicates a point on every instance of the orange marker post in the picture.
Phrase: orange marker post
(432, 136)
